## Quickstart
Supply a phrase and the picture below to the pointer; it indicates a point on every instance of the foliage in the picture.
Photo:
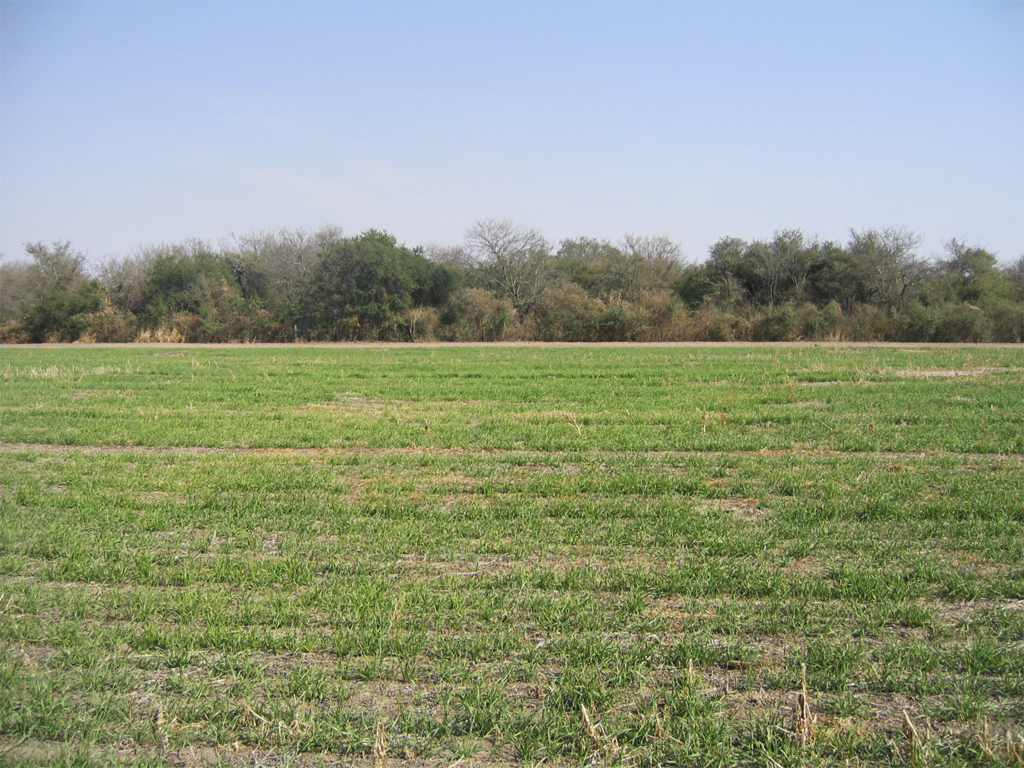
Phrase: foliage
(181, 280)
(478, 315)
(364, 288)
(505, 283)
(57, 299)
(512, 261)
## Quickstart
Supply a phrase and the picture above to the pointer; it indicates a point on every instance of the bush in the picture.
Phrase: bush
(865, 323)
(108, 326)
(423, 323)
(59, 315)
(666, 318)
(1007, 322)
(832, 320)
(479, 315)
(714, 324)
(13, 332)
(778, 323)
(824, 323)
(568, 314)
(961, 322)
(916, 322)
(621, 321)
(375, 282)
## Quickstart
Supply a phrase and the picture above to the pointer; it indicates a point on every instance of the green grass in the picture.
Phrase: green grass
(558, 555)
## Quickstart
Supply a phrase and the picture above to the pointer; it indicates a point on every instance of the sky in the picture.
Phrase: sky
(131, 124)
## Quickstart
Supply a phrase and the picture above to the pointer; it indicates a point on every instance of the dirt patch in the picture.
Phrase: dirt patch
(854, 346)
(432, 450)
(809, 565)
(746, 509)
(947, 373)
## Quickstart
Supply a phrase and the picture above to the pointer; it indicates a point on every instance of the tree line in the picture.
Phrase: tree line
(506, 282)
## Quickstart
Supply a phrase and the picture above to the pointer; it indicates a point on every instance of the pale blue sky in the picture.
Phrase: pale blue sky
(134, 123)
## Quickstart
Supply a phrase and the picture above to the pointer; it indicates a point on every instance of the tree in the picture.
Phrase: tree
(639, 268)
(651, 264)
(777, 266)
(60, 296)
(17, 286)
(587, 262)
(1010, 323)
(658, 248)
(124, 279)
(1015, 274)
(727, 269)
(58, 265)
(181, 279)
(889, 259)
(456, 257)
(512, 260)
(363, 288)
(276, 267)
(972, 275)
(836, 275)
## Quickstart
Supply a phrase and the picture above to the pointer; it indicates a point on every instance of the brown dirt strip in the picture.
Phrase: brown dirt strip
(541, 344)
(497, 452)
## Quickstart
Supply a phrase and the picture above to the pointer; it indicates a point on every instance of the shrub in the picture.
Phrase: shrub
(1007, 322)
(778, 323)
(621, 321)
(715, 324)
(865, 323)
(109, 326)
(479, 315)
(568, 314)
(916, 322)
(423, 323)
(961, 322)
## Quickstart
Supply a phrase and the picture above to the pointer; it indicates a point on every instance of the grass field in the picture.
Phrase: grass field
(489, 555)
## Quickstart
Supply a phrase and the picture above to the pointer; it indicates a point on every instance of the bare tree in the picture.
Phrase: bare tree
(776, 263)
(890, 258)
(512, 259)
(650, 264)
(456, 257)
(18, 284)
(59, 266)
(658, 248)
(123, 278)
(279, 262)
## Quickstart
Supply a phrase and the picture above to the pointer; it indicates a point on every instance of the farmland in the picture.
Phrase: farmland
(496, 555)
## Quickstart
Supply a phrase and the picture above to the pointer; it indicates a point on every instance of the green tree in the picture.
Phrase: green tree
(17, 286)
(836, 275)
(182, 280)
(363, 288)
(728, 270)
(60, 296)
(972, 275)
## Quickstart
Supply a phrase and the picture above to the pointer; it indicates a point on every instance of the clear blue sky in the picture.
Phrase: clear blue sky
(134, 123)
